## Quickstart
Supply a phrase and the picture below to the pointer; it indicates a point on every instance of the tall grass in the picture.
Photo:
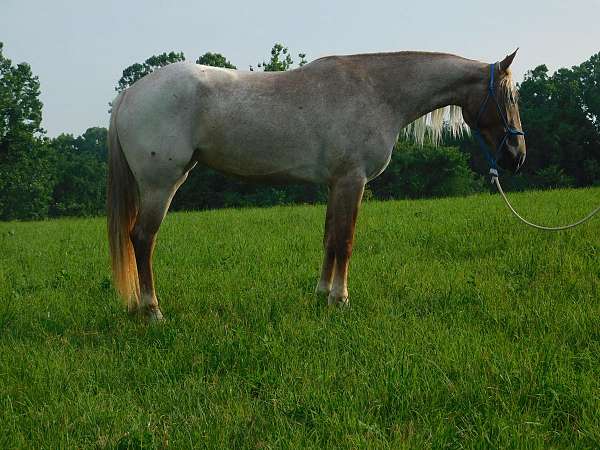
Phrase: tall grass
(465, 330)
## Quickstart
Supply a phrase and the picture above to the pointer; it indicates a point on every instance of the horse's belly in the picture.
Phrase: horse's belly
(280, 166)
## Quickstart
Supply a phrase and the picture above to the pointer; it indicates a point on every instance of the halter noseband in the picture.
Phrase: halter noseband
(510, 131)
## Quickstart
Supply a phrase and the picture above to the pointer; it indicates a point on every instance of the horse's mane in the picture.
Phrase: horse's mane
(431, 126)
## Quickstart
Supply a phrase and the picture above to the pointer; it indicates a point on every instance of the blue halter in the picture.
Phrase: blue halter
(510, 131)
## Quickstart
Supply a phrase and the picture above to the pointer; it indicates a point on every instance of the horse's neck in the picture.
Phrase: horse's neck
(417, 83)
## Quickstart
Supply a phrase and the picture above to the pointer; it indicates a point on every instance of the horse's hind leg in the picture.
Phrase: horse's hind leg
(154, 203)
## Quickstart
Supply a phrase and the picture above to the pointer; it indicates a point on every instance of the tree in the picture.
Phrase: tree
(81, 170)
(215, 60)
(26, 184)
(281, 60)
(20, 107)
(303, 60)
(589, 76)
(93, 142)
(560, 113)
(26, 176)
(136, 71)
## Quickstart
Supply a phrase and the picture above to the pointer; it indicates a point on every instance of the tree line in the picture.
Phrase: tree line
(44, 177)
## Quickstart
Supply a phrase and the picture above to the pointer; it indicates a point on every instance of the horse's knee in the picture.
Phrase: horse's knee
(329, 247)
(343, 250)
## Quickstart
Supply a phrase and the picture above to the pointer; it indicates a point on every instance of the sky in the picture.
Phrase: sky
(79, 48)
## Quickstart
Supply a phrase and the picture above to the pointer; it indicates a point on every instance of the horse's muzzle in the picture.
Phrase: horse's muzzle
(509, 161)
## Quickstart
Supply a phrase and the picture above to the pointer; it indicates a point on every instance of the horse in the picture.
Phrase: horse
(334, 121)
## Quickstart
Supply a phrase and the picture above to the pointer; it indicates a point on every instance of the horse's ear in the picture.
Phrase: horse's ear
(506, 62)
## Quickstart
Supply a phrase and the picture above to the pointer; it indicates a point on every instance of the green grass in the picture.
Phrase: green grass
(466, 329)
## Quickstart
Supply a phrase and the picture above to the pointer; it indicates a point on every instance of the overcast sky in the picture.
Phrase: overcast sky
(79, 48)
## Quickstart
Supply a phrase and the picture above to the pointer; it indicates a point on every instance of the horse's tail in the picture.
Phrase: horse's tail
(122, 208)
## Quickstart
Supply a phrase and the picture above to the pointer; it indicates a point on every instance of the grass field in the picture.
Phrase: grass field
(465, 330)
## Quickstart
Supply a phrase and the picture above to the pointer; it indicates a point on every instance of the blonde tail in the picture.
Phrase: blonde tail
(122, 209)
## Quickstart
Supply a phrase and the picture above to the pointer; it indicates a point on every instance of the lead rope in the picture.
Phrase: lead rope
(496, 181)
(510, 131)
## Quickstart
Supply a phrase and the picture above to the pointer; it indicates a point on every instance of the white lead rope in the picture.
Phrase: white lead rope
(496, 181)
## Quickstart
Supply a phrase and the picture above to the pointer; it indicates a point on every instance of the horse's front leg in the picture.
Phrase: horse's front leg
(324, 286)
(345, 198)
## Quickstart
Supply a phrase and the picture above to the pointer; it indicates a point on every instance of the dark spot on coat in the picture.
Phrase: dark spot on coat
(153, 153)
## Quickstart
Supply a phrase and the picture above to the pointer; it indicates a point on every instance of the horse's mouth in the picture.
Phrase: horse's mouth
(511, 162)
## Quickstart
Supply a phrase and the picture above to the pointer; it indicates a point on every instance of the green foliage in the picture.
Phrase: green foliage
(303, 60)
(208, 189)
(560, 113)
(26, 173)
(465, 330)
(80, 188)
(281, 60)
(589, 77)
(139, 70)
(553, 177)
(215, 60)
(26, 182)
(428, 171)
(20, 107)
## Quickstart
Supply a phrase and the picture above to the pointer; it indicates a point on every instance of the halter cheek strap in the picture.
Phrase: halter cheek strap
(510, 131)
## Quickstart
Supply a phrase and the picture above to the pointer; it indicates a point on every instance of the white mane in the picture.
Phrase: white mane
(432, 125)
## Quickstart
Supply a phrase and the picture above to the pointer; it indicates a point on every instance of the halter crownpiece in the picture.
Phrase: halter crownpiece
(510, 131)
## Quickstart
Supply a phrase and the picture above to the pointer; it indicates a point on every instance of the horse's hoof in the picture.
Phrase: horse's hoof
(154, 315)
(333, 300)
(321, 294)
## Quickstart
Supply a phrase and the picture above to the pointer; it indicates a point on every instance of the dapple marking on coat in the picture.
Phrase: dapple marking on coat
(334, 121)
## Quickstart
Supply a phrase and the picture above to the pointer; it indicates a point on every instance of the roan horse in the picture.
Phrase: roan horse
(334, 121)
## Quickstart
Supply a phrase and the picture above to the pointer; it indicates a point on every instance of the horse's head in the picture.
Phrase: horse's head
(494, 115)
